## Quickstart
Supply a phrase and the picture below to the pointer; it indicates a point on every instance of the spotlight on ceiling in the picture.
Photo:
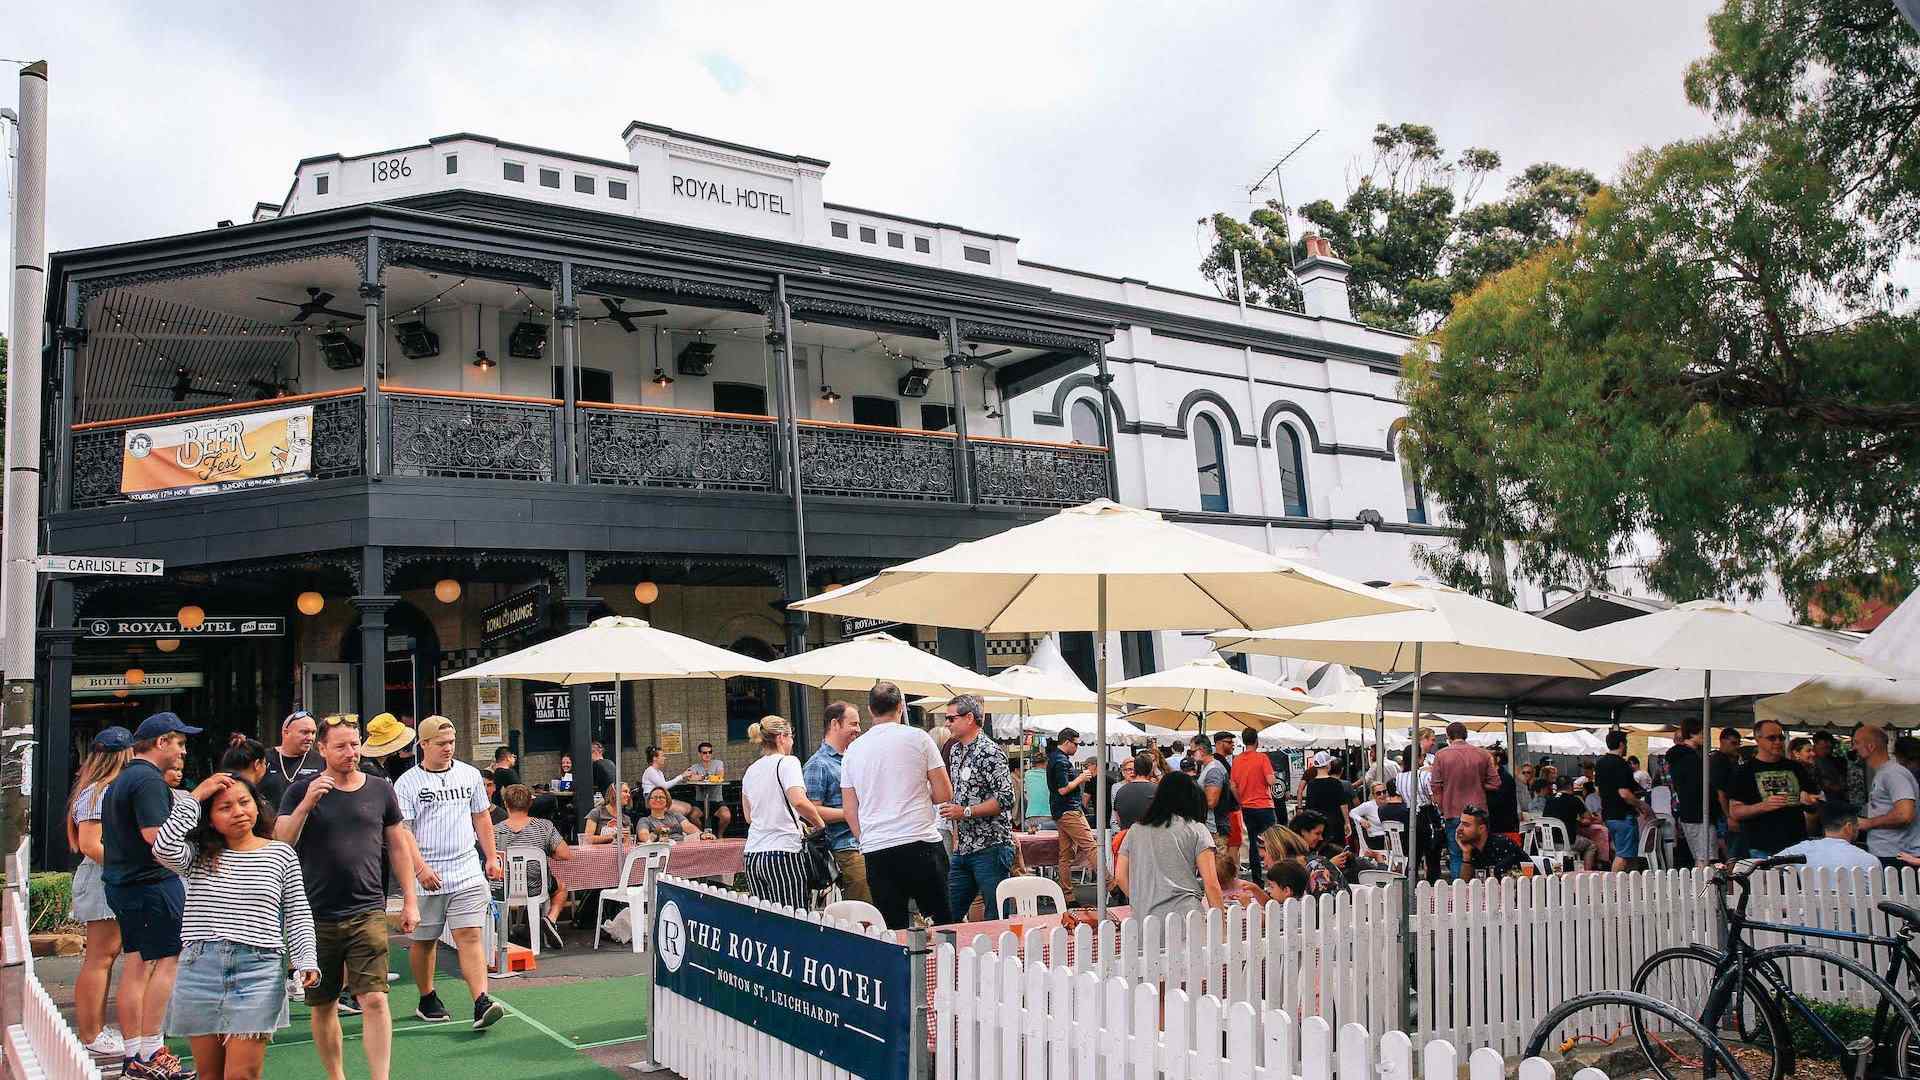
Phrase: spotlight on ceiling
(416, 341)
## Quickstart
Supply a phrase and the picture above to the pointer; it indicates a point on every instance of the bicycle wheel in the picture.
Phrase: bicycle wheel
(1588, 1032)
(1748, 1024)
(1820, 977)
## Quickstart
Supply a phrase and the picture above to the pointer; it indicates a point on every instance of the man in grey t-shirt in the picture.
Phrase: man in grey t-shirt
(1890, 821)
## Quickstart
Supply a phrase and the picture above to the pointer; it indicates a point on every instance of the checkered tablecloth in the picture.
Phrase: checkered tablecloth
(598, 866)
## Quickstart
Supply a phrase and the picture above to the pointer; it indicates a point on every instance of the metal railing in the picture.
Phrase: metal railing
(474, 437)
(633, 446)
(877, 463)
(99, 448)
(1014, 473)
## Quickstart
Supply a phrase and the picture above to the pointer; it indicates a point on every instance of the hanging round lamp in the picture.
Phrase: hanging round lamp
(136, 676)
(646, 592)
(191, 616)
(310, 603)
(446, 590)
(166, 644)
(122, 692)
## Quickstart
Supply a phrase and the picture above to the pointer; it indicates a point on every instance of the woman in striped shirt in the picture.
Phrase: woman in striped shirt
(246, 905)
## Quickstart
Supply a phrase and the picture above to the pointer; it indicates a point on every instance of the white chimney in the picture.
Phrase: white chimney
(1323, 281)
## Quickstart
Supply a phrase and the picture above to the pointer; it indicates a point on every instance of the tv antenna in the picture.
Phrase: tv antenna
(1280, 185)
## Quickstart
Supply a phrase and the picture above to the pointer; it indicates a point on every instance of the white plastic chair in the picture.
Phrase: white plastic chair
(523, 890)
(856, 911)
(1552, 842)
(1396, 849)
(1653, 846)
(1024, 894)
(634, 895)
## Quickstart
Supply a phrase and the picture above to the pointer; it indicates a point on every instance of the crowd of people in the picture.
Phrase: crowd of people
(272, 877)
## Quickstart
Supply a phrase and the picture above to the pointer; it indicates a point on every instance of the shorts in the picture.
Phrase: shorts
(459, 908)
(149, 916)
(227, 988)
(1625, 834)
(352, 951)
(89, 894)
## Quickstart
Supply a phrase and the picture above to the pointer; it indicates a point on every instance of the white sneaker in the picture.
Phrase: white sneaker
(107, 1044)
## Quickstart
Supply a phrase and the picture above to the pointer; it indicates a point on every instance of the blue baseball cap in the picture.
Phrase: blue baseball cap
(113, 739)
(162, 723)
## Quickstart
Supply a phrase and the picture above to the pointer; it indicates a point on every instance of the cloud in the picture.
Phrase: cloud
(1096, 133)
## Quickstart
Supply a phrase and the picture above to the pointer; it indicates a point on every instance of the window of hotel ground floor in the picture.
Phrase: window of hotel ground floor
(1209, 463)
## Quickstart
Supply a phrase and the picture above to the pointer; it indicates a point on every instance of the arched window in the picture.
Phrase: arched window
(1410, 483)
(1293, 471)
(1210, 463)
(749, 699)
(1087, 428)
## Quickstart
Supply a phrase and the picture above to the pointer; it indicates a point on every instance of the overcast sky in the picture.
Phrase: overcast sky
(1096, 133)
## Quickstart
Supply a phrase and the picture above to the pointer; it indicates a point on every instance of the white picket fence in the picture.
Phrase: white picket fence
(1019, 1022)
(42, 1046)
(1496, 955)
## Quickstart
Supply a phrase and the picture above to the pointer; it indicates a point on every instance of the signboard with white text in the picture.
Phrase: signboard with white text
(99, 564)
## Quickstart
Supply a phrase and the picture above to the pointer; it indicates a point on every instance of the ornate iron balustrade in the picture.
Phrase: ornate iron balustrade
(1027, 474)
(875, 463)
(338, 447)
(679, 450)
(471, 438)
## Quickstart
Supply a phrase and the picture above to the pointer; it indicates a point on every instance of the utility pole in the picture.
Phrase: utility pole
(20, 523)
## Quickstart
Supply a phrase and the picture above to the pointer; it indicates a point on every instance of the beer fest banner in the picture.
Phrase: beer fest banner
(217, 453)
(842, 997)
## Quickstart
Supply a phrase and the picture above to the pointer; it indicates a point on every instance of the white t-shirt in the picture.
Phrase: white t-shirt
(439, 808)
(1834, 852)
(887, 768)
(763, 791)
(649, 780)
(1367, 816)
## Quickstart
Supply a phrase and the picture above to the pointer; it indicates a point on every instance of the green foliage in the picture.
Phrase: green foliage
(1848, 1022)
(1717, 364)
(49, 901)
(1409, 228)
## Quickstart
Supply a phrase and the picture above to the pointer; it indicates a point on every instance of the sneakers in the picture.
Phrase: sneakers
(349, 1005)
(107, 1044)
(486, 1012)
(161, 1066)
(551, 933)
(430, 1009)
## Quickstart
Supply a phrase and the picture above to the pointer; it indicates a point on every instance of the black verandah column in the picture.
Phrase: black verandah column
(373, 605)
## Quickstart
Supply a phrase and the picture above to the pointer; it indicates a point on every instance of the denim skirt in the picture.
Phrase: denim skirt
(89, 894)
(226, 988)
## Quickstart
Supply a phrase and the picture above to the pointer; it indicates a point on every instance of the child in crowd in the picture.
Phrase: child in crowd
(246, 904)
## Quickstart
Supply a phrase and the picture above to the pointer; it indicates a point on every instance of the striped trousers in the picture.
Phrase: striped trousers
(778, 877)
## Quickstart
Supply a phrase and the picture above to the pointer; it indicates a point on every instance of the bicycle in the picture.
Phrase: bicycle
(1745, 997)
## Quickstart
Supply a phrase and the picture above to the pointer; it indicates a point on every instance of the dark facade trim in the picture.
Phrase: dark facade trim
(87, 289)
(722, 144)
(1057, 417)
(1238, 378)
(468, 260)
(587, 278)
(1329, 524)
(1027, 336)
(1194, 398)
(774, 568)
(1290, 409)
(548, 564)
(842, 312)
(905, 220)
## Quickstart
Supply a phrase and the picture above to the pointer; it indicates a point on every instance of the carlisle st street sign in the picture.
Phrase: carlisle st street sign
(98, 564)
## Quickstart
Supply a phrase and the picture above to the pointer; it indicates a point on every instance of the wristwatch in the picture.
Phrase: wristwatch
(966, 811)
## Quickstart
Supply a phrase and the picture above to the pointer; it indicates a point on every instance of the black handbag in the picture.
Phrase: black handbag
(816, 852)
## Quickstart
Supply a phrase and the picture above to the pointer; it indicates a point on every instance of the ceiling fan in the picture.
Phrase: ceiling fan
(266, 390)
(316, 304)
(624, 317)
(973, 356)
(182, 387)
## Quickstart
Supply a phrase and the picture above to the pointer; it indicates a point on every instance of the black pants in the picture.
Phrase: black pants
(916, 872)
(1257, 820)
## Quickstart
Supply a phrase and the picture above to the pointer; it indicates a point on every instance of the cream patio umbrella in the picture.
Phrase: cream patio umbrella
(1102, 567)
(1893, 647)
(1708, 637)
(1207, 687)
(858, 663)
(613, 649)
(1449, 631)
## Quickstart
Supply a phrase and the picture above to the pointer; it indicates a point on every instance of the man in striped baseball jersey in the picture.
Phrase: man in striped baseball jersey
(444, 802)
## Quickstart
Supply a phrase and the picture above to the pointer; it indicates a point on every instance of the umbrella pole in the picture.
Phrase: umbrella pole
(1413, 849)
(1706, 765)
(1513, 749)
(1100, 741)
(618, 811)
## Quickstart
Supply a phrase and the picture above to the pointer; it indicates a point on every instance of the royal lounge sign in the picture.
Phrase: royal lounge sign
(214, 626)
(213, 454)
(516, 614)
(841, 997)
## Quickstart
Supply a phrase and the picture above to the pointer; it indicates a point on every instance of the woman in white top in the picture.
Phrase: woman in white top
(110, 752)
(773, 798)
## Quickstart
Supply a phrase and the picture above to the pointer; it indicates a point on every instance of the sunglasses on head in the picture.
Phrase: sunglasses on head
(341, 721)
(1474, 811)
